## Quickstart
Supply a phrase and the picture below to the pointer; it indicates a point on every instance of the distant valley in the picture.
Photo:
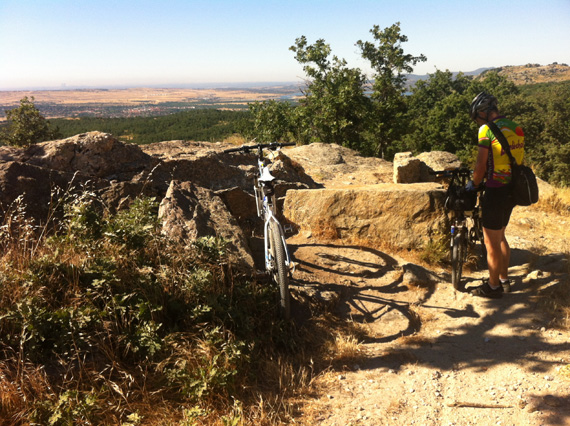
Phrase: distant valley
(148, 102)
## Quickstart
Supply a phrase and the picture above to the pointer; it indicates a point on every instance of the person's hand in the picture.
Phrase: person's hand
(470, 186)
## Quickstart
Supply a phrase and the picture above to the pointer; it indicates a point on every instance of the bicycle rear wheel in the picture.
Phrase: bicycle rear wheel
(280, 272)
(483, 258)
(458, 256)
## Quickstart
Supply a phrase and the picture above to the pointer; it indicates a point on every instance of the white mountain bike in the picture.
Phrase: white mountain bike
(277, 261)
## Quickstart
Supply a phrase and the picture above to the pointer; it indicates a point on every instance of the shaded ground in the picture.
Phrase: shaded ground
(435, 356)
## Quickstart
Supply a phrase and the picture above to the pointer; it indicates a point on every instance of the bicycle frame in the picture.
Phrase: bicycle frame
(463, 234)
(266, 209)
(278, 262)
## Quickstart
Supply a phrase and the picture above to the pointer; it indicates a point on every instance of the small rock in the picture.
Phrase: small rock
(552, 401)
(532, 405)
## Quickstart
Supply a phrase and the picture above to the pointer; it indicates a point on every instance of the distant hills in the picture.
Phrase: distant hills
(519, 74)
(535, 73)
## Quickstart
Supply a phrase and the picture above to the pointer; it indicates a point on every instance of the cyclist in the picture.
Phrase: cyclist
(493, 165)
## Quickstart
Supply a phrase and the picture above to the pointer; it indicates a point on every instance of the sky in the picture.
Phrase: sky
(124, 43)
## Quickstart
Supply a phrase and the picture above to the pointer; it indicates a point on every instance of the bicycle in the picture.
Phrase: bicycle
(466, 226)
(278, 263)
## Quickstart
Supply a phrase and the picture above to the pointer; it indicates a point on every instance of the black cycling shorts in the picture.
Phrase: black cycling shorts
(497, 205)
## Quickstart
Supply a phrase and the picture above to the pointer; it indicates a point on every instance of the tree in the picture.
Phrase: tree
(335, 107)
(26, 125)
(437, 115)
(390, 64)
(548, 149)
(272, 121)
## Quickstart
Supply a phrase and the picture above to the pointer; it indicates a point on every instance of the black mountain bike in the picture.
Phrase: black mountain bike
(277, 261)
(466, 227)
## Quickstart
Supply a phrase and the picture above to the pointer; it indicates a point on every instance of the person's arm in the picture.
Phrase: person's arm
(480, 165)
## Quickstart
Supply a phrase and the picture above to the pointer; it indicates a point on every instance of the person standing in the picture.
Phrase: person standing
(493, 166)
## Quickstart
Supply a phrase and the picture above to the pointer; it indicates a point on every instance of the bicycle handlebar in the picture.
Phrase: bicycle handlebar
(459, 171)
(259, 146)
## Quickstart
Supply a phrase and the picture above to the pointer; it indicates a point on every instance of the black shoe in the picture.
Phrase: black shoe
(485, 290)
(506, 286)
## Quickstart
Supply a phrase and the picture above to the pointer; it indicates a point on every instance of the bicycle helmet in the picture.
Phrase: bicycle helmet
(482, 102)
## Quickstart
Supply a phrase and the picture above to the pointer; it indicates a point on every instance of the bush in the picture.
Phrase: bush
(107, 314)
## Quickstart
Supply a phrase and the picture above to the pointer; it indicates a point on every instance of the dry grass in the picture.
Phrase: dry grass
(136, 96)
(235, 140)
(557, 202)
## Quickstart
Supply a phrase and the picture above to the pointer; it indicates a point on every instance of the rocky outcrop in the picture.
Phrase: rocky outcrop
(439, 160)
(94, 154)
(202, 189)
(332, 165)
(189, 212)
(401, 216)
(410, 169)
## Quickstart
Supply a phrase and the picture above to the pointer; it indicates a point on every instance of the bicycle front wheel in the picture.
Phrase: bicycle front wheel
(458, 256)
(280, 272)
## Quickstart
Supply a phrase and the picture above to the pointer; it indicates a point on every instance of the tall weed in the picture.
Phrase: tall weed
(109, 316)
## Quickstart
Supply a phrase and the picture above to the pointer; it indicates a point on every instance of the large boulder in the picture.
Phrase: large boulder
(189, 212)
(37, 189)
(439, 160)
(95, 154)
(407, 169)
(332, 165)
(401, 216)
(410, 169)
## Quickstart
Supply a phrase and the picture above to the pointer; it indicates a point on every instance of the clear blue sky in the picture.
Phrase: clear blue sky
(52, 43)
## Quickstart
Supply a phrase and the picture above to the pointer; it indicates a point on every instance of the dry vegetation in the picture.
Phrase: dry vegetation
(142, 96)
(534, 73)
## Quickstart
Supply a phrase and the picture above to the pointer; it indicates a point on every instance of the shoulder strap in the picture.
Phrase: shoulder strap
(502, 140)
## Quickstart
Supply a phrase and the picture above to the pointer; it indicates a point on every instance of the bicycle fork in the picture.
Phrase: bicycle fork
(268, 258)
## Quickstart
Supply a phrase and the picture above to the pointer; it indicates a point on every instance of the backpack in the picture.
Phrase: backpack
(524, 188)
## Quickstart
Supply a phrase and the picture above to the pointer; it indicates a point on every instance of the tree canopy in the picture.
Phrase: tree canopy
(26, 125)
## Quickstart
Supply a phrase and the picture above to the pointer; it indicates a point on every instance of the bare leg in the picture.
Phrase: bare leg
(498, 255)
(506, 254)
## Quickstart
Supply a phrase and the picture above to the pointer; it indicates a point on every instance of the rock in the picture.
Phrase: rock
(38, 188)
(189, 212)
(407, 169)
(416, 275)
(403, 216)
(117, 195)
(95, 154)
(240, 203)
(439, 160)
(332, 165)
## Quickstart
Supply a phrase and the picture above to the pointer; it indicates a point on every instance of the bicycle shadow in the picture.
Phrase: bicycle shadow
(370, 287)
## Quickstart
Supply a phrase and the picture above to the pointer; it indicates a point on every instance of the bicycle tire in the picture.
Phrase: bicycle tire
(458, 256)
(483, 258)
(280, 273)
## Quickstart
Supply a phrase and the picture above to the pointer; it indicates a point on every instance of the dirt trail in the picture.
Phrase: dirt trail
(437, 356)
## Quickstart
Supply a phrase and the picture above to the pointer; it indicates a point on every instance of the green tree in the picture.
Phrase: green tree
(548, 149)
(389, 64)
(26, 126)
(335, 108)
(272, 121)
(437, 115)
